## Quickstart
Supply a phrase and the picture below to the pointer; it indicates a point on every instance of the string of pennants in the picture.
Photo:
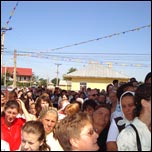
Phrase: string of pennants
(108, 36)
(11, 14)
(77, 60)
(76, 44)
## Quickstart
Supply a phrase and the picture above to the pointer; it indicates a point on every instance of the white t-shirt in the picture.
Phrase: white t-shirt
(113, 131)
(53, 143)
(4, 145)
(126, 140)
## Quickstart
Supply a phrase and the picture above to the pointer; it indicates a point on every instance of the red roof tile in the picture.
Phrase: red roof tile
(19, 71)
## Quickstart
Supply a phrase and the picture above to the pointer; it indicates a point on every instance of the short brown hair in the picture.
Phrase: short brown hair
(70, 127)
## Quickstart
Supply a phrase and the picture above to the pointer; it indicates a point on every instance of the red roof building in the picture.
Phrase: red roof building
(19, 71)
(22, 74)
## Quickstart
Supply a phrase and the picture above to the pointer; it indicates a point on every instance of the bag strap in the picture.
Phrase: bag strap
(120, 126)
(137, 138)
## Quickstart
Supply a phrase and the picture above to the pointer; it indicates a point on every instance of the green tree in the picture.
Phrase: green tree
(2, 80)
(71, 70)
(35, 79)
(42, 82)
(54, 81)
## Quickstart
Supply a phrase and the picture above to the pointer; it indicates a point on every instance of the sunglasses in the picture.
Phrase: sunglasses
(90, 132)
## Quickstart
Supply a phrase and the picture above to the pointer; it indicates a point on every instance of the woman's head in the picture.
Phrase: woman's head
(64, 97)
(148, 78)
(75, 132)
(127, 105)
(143, 93)
(12, 95)
(3, 99)
(11, 110)
(32, 109)
(72, 108)
(89, 106)
(33, 137)
(42, 101)
(49, 117)
(101, 117)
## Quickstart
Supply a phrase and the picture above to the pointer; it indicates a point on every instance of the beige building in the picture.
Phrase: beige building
(65, 84)
(93, 76)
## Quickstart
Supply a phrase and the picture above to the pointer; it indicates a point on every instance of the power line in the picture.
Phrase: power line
(108, 36)
(81, 53)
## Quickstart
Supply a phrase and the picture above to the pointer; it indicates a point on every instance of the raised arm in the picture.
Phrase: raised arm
(27, 115)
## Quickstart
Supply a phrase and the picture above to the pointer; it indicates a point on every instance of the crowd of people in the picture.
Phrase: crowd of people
(44, 119)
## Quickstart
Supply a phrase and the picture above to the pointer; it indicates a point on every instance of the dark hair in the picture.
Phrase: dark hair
(89, 103)
(127, 93)
(12, 104)
(12, 95)
(123, 88)
(115, 81)
(104, 105)
(142, 92)
(109, 85)
(147, 77)
(44, 97)
(132, 79)
(2, 93)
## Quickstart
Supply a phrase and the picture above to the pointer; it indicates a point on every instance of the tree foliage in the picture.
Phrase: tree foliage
(42, 82)
(71, 70)
(54, 81)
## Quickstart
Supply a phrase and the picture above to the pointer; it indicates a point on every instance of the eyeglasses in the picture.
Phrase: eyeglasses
(90, 132)
(95, 95)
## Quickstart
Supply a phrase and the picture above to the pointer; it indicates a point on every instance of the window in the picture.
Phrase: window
(83, 86)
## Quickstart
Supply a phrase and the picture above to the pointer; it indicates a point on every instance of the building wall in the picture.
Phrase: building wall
(24, 78)
(100, 83)
(65, 87)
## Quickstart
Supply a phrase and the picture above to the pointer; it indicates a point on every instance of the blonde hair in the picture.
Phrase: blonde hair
(72, 108)
(45, 110)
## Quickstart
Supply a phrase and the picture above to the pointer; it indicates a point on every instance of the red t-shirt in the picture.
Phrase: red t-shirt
(12, 134)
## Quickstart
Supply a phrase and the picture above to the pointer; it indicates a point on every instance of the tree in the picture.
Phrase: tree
(42, 82)
(71, 70)
(34, 80)
(54, 81)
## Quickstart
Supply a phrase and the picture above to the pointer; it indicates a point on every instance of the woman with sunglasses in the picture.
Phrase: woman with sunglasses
(76, 133)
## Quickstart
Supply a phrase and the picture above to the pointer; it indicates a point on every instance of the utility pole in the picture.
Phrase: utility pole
(2, 49)
(57, 72)
(5, 77)
(3, 29)
(14, 73)
(47, 80)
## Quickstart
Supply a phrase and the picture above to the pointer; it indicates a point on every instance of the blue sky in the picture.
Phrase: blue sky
(39, 28)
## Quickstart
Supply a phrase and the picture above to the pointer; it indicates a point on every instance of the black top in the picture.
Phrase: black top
(102, 139)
